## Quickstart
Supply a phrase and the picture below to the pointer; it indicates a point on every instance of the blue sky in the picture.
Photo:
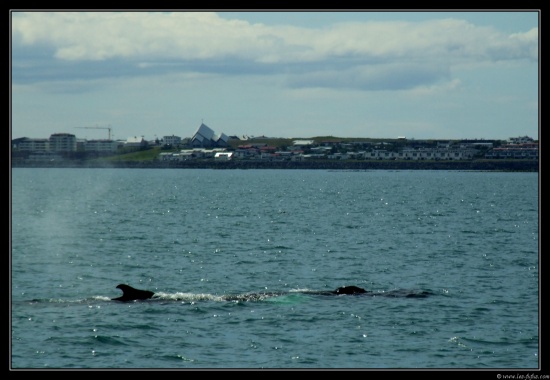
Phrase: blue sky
(422, 75)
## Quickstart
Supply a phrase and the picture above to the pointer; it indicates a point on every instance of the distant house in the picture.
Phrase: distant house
(226, 156)
(303, 143)
(172, 140)
(207, 138)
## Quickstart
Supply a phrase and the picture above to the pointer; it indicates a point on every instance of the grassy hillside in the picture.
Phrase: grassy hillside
(140, 155)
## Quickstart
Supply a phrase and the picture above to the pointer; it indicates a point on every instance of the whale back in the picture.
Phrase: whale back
(132, 294)
(350, 290)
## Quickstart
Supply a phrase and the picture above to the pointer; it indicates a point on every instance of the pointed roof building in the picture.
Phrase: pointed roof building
(205, 137)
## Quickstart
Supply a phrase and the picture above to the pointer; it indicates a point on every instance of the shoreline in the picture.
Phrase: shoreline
(464, 165)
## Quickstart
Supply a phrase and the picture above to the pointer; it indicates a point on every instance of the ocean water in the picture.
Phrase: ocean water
(272, 238)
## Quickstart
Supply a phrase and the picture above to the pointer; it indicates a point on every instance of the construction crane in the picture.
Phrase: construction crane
(96, 127)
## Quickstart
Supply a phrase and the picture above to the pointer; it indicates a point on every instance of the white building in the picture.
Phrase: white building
(223, 156)
(171, 140)
(34, 145)
(62, 142)
(100, 146)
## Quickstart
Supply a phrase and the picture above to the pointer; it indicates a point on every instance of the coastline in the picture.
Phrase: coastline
(464, 165)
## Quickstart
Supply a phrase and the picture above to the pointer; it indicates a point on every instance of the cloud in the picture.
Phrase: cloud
(390, 76)
(443, 87)
(370, 55)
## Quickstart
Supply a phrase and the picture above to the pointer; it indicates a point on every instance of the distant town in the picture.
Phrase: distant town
(206, 144)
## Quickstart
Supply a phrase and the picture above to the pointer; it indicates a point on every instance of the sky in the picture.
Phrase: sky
(367, 74)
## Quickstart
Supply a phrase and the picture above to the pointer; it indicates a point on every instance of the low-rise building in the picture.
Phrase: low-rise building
(223, 156)
(171, 140)
(101, 146)
(62, 142)
(32, 145)
(526, 150)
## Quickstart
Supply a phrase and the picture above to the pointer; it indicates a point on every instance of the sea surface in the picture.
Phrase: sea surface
(235, 258)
